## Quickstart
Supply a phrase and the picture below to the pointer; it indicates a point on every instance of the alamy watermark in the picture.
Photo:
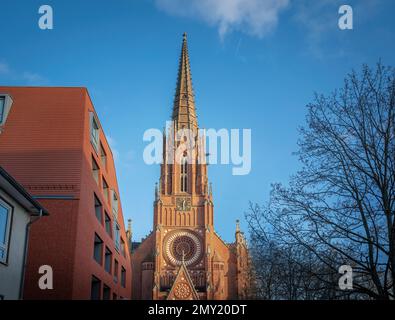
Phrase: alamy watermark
(346, 280)
(45, 282)
(200, 146)
(45, 22)
(346, 20)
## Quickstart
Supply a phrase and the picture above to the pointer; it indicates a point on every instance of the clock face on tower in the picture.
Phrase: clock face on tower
(183, 244)
(183, 204)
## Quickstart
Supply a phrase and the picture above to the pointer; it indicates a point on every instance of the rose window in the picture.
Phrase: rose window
(183, 245)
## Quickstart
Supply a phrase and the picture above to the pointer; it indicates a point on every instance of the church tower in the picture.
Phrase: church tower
(183, 257)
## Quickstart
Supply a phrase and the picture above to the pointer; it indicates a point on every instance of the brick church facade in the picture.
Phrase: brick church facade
(183, 258)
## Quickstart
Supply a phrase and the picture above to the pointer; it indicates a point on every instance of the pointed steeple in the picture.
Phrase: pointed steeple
(184, 113)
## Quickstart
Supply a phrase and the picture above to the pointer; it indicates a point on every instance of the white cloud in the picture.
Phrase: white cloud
(26, 77)
(254, 17)
(115, 151)
(319, 21)
(121, 158)
(4, 69)
(33, 78)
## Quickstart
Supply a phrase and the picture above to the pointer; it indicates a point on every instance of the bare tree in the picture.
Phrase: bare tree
(285, 269)
(340, 206)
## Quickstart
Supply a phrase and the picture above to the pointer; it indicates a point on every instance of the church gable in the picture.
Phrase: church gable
(183, 288)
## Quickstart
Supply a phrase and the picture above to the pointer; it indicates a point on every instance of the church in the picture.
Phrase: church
(183, 258)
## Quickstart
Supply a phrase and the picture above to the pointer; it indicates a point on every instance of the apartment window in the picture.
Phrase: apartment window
(95, 288)
(114, 203)
(105, 189)
(114, 296)
(94, 132)
(98, 209)
(123, 247)
(98, 249)
(5, 106)
(5, 225)
(123, 277)
(95, 170)
(115, 270)
(107, 260)
(106, 292)
(117, 235)
(2, 108)
(103, 156)
(108, 224)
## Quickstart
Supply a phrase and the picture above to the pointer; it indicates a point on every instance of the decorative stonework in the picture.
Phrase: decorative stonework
(182, 291)
(51, 187)
(180, 245)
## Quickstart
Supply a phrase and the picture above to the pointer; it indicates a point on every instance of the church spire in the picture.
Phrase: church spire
(184, 113)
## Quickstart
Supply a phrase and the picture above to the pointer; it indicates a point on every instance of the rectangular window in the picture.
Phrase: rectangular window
(94, 131)
(95, 170)
(98, 249)
(117, 235)
(123, 277)
(105, 189)
(2, 108)
(95, 288)
(106, 292)
(114, 296)
(114, 203)
(98, 209)
(5, 226)
(103, 156)
(115, 270)
(123, 251)
(107, 260)
(107, 224)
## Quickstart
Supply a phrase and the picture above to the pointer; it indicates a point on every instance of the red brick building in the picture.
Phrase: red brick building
(184, 258)
(52, 142)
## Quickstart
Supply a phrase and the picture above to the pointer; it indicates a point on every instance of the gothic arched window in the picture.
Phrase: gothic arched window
(184, 174)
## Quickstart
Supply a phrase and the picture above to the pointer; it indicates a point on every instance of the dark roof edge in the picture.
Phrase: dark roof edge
(23, 191)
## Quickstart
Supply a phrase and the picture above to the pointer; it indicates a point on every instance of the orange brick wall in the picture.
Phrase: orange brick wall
(46, 146)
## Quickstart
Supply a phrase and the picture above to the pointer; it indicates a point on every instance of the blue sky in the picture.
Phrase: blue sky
(255, 64)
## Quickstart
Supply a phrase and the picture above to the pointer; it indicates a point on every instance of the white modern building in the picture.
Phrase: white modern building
(18, 210)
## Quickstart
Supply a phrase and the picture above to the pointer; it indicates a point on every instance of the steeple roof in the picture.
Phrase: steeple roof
(184, 113)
